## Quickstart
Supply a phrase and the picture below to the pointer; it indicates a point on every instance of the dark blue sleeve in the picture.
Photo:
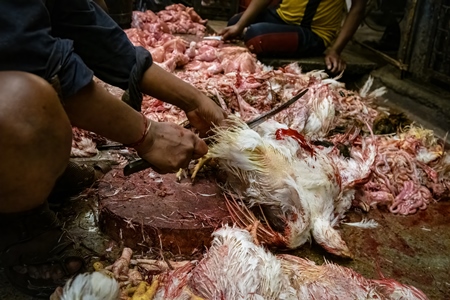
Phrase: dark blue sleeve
(74, 39)
(102, 44)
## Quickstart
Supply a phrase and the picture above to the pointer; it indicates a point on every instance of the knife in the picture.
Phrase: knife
(140, 164)
(264, 117)
(213, 37)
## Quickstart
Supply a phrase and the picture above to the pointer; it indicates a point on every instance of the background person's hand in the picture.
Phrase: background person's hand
(231, 32)
(169, 147)
(334, 61)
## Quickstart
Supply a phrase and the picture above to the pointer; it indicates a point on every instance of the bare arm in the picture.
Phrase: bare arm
(166, 146)
(201, 111)
(249, 15)
(351, 24)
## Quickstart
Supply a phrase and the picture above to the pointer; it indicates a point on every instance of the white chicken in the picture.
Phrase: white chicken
(276, 168)
(88, 286)
(330, 281)
(236, 268)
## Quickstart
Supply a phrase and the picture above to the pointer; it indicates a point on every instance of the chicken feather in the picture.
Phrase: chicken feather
(297, 185)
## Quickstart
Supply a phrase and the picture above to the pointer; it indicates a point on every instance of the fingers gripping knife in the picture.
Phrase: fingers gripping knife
(140, 164)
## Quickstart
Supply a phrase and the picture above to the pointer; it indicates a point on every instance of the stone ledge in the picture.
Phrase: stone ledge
(422, 103)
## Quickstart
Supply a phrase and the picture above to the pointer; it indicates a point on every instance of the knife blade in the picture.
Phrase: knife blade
(140, 164)
(213, 37)
(264, 117)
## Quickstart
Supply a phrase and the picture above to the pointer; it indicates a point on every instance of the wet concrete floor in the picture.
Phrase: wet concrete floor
(411, 249)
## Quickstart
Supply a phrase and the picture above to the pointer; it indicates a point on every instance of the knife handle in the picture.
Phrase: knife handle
(136, 166)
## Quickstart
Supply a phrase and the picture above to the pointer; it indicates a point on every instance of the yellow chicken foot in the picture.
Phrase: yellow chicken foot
(129, 290)
(180, 174)
(145, 291)
(253, 229)
(199, 165)
(98, 266)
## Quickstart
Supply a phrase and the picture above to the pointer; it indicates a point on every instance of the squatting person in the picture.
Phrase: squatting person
(49, 52)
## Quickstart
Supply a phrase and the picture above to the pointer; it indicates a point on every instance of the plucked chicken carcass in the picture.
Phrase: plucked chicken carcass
(297, 187)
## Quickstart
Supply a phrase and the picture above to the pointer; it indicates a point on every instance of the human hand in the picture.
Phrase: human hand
(169, 147)
(207, 114)
(231, 32)
(334, 61)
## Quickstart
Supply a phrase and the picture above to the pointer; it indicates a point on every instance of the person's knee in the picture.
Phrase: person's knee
(19, 88)
(254, 37)
(30, 111)
(261, 41)
(35, 139)
(234, 19)
(253, 31)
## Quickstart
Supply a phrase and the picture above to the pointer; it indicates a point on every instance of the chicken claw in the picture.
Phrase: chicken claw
(180, 174)
(201, 162)
(98, 267)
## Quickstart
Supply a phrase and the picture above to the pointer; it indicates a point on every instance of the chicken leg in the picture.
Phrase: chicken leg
(201, 162)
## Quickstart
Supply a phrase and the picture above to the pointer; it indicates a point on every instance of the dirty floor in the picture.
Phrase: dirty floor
(411, 249)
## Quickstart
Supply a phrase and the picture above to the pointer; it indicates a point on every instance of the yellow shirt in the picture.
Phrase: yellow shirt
(322, 16)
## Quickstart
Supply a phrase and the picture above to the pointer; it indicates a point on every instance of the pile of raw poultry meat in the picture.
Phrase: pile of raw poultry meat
(410, 168)
(334, 132)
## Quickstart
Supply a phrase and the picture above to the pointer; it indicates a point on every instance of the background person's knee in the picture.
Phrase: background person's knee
(234, 19)
(262, 42)
(253, 38)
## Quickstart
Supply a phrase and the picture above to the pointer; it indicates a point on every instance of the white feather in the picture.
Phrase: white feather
(91, 286)
(364, 223)
(280, 173)
(321, 115)
(426, 156)
(378, 92)
(318, 74)
(235, 268)
(364, 91)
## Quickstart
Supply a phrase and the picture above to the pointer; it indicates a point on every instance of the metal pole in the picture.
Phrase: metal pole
(398, 64)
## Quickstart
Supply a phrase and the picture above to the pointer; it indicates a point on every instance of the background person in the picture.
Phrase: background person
(298, 28)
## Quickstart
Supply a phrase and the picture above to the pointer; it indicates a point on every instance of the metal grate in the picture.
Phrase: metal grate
(440, 51)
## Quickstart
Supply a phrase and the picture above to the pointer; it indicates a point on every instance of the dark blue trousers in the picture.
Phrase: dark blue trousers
(269, 35)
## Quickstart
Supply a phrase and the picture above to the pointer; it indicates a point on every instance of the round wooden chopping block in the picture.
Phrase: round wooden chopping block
(148, 210)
